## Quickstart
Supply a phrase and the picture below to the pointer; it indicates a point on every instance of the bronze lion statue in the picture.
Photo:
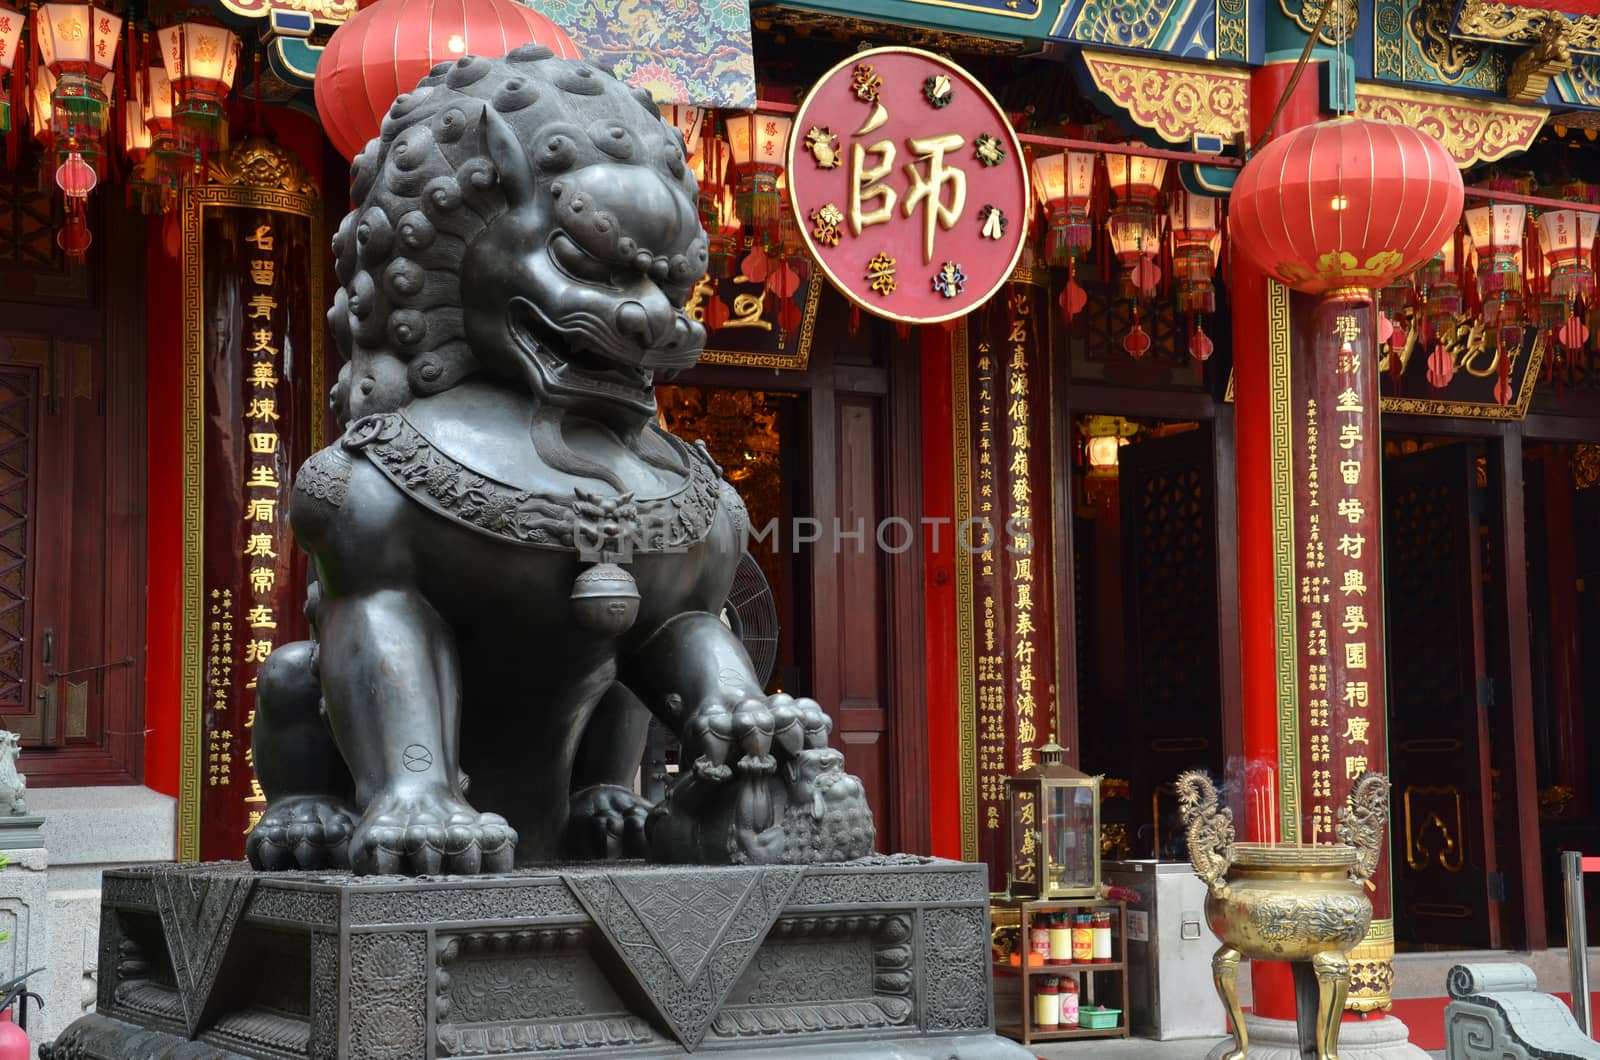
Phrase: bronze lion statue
(513, 564)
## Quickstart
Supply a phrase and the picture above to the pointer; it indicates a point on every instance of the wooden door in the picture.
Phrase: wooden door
(1443, 851)
(53, 544)
(849, 581)
(849, 463)
(72, 493)
(1169, 540)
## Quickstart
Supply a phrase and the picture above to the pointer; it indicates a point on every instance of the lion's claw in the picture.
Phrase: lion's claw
(303, 832)
(753, 735)
(430, 833)
(607, 821)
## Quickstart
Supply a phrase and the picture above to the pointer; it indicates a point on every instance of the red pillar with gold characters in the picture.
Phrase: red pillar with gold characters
(1309, 478)
(1006, 641)
(1338, 588)
(912, 192)
(252, 392)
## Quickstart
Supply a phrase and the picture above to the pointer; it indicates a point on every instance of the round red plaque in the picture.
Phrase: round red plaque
(909, 185)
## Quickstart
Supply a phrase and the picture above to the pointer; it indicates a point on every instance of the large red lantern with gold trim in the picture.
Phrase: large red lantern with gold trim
(1345, 206)
(390, 45)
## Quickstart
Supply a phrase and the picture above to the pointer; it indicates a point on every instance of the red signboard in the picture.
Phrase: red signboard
(909, 185)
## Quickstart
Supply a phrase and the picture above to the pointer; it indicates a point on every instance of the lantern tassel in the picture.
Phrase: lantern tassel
(1502, 386)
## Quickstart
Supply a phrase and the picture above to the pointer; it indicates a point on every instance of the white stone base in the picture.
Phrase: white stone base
(1374, 1038)
(86, 830)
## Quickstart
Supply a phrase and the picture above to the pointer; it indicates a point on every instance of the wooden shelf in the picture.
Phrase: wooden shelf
(1018, 914)
(1016, 1033)
(1057, 969)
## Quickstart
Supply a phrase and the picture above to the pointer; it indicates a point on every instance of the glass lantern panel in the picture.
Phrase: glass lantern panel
(1070, 825)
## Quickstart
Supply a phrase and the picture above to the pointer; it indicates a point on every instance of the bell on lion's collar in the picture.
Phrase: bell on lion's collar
(605, 598)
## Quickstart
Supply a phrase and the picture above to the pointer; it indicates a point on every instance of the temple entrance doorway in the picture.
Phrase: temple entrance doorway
(819, 456)
(1562, 513)
(755, 436)
(1145, 579)
(1449, 725)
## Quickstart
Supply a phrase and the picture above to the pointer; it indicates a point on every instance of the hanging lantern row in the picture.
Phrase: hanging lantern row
(754, 235)
(1139, 235)
(1510, 274)
(168, 117)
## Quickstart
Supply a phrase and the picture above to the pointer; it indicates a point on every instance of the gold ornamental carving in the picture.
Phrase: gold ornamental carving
(1472, 132)
(259, 163)
(1176, 100)
(333, 12)
(1511, 24)
(1553, 801)
(1307, 13)
(1372, 970)
(1550, 55)
(1450, 58)
(1585, 464)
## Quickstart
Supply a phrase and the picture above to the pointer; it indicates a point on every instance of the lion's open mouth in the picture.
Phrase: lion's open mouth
(585, 369)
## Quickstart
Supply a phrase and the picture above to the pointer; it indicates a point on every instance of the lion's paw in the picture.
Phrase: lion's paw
(428, 833)
(755, 734)
(302, 832)
(607, 822)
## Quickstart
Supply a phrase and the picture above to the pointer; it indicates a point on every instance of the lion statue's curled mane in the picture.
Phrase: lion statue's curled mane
(424, 190)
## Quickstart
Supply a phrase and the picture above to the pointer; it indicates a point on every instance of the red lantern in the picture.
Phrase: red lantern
(1345, 206)
(388, 46)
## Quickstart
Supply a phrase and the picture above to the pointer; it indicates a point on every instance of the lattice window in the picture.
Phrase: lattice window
(1108, 317)
(1423, 583)
(1176, 575)
(29, 220)
(18, 397)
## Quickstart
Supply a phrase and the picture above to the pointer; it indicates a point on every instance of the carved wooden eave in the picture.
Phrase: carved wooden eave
(1550, 55)
(1471, 130)
(1175, 100)
(257, 162)
(1498, 23)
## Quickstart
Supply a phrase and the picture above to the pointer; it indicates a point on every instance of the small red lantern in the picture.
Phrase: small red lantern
(388, 46)
(1345, 206)
(75, 177)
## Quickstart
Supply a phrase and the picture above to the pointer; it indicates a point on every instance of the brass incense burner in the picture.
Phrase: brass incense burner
(1288, 902)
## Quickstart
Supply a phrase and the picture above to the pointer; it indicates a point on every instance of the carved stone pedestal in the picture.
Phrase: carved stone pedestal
(1375, 1038)
(886, 957)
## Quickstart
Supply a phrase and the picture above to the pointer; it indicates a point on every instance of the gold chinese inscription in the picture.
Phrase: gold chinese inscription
(934, 183)
(1339, 617)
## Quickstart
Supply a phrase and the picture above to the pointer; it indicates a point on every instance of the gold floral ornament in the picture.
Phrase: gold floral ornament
(988, 151)
(1341, 265)
(865, 83)
(950, 281)
(993, 219)
(938, 90)
(880, 274)
(825, 222)
(824, 147)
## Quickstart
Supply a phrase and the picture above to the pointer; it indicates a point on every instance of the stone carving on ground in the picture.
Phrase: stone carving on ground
(13, 785)
(1496, 1012)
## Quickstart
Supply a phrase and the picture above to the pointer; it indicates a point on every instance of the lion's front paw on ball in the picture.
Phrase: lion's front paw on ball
(607, 821)
(430, 833)
(302, 832)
